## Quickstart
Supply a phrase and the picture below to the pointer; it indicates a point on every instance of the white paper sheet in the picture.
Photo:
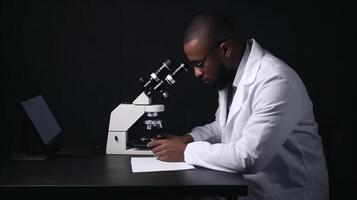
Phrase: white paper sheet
(152, 164)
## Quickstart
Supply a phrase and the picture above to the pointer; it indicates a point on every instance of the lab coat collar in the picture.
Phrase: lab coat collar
(242, 64)
(253, 62)
(244, 77)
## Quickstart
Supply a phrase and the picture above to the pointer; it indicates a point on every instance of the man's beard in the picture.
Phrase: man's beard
(223, 78)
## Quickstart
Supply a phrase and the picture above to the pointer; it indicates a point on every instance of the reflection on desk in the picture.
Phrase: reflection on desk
(106, 176)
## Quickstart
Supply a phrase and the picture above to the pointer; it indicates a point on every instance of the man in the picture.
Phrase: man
(264, 127)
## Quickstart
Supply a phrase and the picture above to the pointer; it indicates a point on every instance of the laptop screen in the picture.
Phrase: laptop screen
(42, 118)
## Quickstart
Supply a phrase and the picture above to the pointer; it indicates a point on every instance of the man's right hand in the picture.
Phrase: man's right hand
(170, 147)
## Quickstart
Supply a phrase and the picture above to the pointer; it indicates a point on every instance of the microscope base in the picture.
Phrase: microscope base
(117, 144)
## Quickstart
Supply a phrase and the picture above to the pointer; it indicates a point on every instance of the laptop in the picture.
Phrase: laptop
(50, 132)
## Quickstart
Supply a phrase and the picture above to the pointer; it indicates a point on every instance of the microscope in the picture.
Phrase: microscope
(133, 125)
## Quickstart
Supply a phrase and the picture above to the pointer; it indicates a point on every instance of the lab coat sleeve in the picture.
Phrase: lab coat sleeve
(276, 108)
(210, 132)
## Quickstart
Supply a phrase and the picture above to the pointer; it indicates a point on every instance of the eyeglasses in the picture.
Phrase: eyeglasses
(198, 64)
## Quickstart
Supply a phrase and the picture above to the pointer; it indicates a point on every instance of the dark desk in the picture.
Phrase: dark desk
(110, 176)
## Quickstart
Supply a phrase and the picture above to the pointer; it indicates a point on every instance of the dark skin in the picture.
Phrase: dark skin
(218, 70)
(170, 147)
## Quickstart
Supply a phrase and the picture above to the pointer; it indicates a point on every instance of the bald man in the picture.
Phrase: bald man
(264, 127)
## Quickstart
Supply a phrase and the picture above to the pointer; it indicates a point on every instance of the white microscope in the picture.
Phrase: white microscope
(141, 117)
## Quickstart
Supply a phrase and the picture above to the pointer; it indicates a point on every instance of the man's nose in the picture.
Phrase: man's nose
(198, 73)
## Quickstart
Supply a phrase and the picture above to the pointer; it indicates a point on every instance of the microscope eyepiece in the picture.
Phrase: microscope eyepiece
(163, 78)
(156, 76)
(170, 78)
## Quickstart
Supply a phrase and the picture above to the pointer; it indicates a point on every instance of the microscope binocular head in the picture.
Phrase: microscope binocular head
(164, 77)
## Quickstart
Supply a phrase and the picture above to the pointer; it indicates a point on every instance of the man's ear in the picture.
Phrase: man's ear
(225, 50)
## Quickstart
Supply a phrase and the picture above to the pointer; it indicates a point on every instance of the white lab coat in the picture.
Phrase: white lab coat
(270, 135)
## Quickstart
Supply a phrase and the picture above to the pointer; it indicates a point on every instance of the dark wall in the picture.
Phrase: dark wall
(85, 58)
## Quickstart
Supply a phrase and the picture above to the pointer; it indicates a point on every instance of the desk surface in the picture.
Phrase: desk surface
(104, 173)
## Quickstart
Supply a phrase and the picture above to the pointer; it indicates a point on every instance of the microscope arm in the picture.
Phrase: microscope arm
(125, 115)
(122, 118)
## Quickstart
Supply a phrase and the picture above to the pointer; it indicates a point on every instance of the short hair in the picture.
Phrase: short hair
(209, 29)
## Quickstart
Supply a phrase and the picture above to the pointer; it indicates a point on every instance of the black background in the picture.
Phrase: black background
(85, 58)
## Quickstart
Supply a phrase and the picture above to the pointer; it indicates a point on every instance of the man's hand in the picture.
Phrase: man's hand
(170, 147)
